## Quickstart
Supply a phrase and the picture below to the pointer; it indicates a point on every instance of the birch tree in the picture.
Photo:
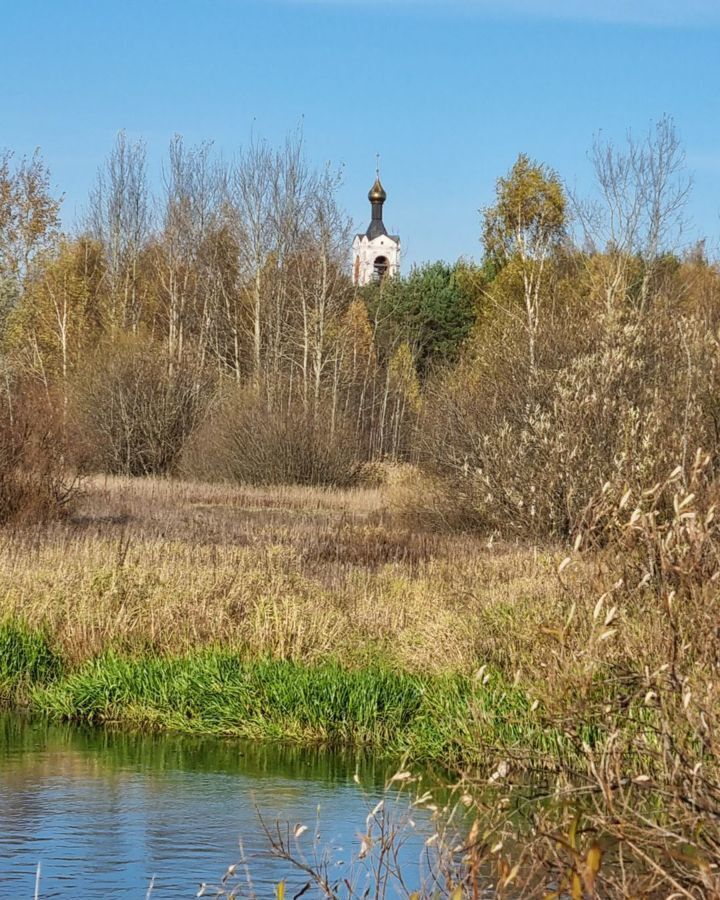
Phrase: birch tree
(251, 191)
(119, 217)
(321, 283)
(193, 186)
(643, 188)
(525, 226)
(29, 214)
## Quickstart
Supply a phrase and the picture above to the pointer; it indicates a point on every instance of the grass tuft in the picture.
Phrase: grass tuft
(26, 658)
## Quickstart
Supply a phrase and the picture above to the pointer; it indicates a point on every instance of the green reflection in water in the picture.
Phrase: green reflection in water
(22, 738)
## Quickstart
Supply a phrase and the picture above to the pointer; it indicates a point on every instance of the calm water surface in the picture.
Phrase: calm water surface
(105, 811)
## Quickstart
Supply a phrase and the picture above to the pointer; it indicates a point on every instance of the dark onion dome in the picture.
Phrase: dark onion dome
(377, 193)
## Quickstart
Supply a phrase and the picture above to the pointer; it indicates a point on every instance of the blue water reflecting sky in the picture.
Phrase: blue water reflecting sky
(105, 812)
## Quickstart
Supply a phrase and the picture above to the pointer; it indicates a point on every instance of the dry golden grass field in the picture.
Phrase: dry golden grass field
(297, 573)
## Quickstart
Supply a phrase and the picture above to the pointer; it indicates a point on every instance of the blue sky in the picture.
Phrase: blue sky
(449, 92)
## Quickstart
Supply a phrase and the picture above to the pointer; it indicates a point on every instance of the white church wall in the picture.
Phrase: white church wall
(369, 251)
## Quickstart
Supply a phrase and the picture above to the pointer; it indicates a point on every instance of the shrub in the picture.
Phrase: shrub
(658, 551)
(136, 409)
(248, 440)
(618, 398)
(35, 482)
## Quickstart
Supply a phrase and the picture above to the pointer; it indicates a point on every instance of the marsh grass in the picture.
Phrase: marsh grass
(288, 573)
(209, 608)
(296, 614)
(169, 603)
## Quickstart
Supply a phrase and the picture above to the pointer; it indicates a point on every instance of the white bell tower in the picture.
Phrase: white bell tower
(376, 254)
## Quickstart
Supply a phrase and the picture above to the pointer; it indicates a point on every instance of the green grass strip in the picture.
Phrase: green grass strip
(443, 718)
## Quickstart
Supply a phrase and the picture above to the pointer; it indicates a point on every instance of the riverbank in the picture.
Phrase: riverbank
(446, 718)
(302, 615)
(318, 617)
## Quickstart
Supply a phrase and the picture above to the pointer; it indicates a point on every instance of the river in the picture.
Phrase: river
(107, 813)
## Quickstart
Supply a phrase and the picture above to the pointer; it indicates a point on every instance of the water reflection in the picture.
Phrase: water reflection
(103, 811)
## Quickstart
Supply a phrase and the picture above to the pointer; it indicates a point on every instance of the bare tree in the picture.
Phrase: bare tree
(251, 186)
(322, 285)
(294, 188)
(271, 192)
(643, 192)
(119, 218)
(194, 186)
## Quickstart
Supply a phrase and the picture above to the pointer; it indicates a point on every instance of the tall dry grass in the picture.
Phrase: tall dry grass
(295, 573)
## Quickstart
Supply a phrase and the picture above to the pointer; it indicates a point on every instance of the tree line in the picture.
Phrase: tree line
(210, 328)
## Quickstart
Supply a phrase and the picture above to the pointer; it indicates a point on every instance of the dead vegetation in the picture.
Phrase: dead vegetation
(635, 691)
(297, 572)
(36, 485)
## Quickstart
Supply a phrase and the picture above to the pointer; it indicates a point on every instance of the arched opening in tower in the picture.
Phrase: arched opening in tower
(380, 267)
